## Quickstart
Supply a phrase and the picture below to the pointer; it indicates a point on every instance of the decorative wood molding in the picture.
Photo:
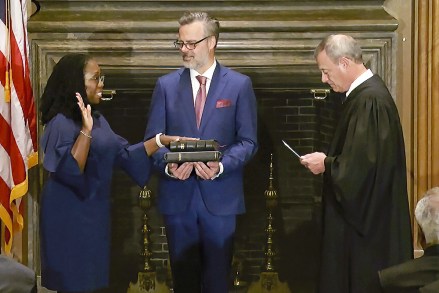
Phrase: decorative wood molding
(236, 16)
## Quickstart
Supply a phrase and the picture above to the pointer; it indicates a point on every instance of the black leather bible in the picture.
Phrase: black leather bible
(194, 145)
(202, 156)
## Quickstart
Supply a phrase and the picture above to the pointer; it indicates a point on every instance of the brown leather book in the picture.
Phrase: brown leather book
(203, 156)
(194, 145)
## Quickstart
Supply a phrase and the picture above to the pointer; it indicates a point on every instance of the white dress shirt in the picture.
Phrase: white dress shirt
(362, 78)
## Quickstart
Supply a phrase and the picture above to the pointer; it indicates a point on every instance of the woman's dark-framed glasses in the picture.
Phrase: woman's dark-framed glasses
(98, 79)
(189, 45)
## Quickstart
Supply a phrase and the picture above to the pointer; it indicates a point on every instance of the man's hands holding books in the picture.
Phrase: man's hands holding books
(203, 155)
(208, 170)
(181, 172)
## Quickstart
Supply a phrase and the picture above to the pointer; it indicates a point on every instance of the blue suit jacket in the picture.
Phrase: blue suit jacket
(229, 117)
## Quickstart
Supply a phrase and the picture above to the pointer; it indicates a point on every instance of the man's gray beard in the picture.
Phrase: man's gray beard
(188, 65)
(192, 65)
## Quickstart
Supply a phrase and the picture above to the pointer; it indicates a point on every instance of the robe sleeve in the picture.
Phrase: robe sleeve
(363, 168)
(134, 160)
(430, 288)
(57, 143)
(398, 278)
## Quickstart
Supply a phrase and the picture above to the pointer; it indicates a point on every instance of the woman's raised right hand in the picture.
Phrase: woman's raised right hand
(87, 118)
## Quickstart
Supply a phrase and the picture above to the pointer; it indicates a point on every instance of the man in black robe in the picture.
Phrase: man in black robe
(421, 274)
(366, 221)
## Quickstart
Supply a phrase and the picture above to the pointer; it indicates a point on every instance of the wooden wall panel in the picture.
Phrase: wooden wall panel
(426, 100)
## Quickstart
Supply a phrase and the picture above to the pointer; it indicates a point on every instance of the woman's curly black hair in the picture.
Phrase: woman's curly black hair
(66, 80)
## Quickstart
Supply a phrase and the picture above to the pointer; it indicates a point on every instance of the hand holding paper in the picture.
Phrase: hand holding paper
(315, 162)
(291, 149)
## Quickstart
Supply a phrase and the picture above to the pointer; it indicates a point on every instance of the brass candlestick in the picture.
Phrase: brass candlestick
(147, 278)
(145, 204)
(269, 279)
(271, 204)
(238, 268)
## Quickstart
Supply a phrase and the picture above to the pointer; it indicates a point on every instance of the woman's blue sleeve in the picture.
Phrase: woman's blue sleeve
(57, 143)
(134, 160)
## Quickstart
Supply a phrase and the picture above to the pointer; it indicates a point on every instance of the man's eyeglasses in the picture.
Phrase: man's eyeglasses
(98, 79)
(189, 45)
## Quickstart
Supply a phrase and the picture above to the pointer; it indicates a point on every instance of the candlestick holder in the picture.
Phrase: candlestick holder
(269, 278)
(147, 278)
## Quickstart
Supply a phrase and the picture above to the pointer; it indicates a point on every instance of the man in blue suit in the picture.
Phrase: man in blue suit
(199, 200)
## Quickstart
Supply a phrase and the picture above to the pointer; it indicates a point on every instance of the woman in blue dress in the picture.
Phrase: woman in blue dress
(80, 151)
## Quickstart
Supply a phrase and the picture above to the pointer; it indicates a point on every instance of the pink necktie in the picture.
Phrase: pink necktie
(200, 99)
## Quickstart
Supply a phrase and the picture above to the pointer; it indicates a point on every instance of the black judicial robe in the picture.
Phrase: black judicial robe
(366, 222)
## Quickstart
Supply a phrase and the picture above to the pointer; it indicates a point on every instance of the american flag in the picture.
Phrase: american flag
(18, 133)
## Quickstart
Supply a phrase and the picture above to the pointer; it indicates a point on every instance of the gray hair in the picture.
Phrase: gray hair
(211, 25)
(337, 46)
(427, 215)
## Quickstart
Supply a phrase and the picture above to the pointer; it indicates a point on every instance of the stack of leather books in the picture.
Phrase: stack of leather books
(193, 151)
